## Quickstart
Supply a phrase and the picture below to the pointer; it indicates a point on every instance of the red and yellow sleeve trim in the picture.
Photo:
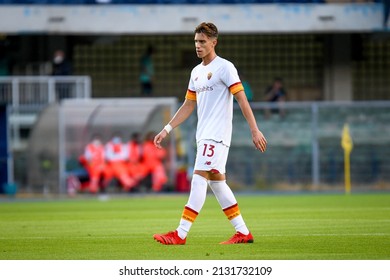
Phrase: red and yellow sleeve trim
(234, 88)
(232, 211)
(189, 214)
(191, 95)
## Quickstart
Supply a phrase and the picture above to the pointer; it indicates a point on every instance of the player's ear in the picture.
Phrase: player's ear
(215, 42)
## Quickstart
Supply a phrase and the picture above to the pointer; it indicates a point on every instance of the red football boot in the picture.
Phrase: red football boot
(170, 238)
(239, 238)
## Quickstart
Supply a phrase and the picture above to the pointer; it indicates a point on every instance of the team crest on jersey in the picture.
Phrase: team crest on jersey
(209, 75)
(196, 78)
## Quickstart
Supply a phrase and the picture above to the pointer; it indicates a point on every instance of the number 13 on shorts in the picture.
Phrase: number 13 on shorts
(211, 156)
(208, 150)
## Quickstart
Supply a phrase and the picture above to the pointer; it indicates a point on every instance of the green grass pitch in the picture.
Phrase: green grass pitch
(285, 227)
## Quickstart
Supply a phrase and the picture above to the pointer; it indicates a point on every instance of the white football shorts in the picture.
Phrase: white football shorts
(211, 156)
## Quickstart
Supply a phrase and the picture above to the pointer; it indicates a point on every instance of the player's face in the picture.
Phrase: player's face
(204, 45)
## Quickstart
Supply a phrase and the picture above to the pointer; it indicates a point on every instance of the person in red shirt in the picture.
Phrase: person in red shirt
(93, 160)
(136, 168)
(153, 160)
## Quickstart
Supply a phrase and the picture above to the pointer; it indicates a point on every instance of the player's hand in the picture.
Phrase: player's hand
(159, 137)
(259, 141)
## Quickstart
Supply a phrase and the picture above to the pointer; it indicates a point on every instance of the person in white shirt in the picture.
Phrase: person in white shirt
(116, 155)
(212, 86)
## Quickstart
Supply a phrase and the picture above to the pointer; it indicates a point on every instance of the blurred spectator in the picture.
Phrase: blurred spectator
(136, 168)
(247, 87)
(61, 67)
(153, 160)
(116, 157)
(93, 161)
(147, 72)
(276, 93)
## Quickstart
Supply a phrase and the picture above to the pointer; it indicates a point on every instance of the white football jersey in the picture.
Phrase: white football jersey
(213, 87)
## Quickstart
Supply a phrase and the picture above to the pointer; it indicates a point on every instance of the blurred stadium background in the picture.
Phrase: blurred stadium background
(334, 57)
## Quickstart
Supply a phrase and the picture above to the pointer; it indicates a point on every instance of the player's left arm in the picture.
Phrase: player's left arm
(257, 136)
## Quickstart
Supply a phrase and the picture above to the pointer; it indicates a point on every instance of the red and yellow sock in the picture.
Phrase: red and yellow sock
(234, 215)
(187, 218)
(189, 214)
(232, 212)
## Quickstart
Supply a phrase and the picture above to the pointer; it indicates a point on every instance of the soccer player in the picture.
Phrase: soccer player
(212, 85)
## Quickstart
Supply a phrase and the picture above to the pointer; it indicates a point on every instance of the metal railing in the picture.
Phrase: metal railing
(41, 90)
(304, 147)
(28, 95)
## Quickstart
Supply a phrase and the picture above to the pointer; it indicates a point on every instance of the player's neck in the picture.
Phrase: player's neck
(209, 58)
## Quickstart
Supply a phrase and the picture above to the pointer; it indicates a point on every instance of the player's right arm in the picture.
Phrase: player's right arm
(181, 115)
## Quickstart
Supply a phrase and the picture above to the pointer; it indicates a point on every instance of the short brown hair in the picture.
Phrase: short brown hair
(207, 28)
